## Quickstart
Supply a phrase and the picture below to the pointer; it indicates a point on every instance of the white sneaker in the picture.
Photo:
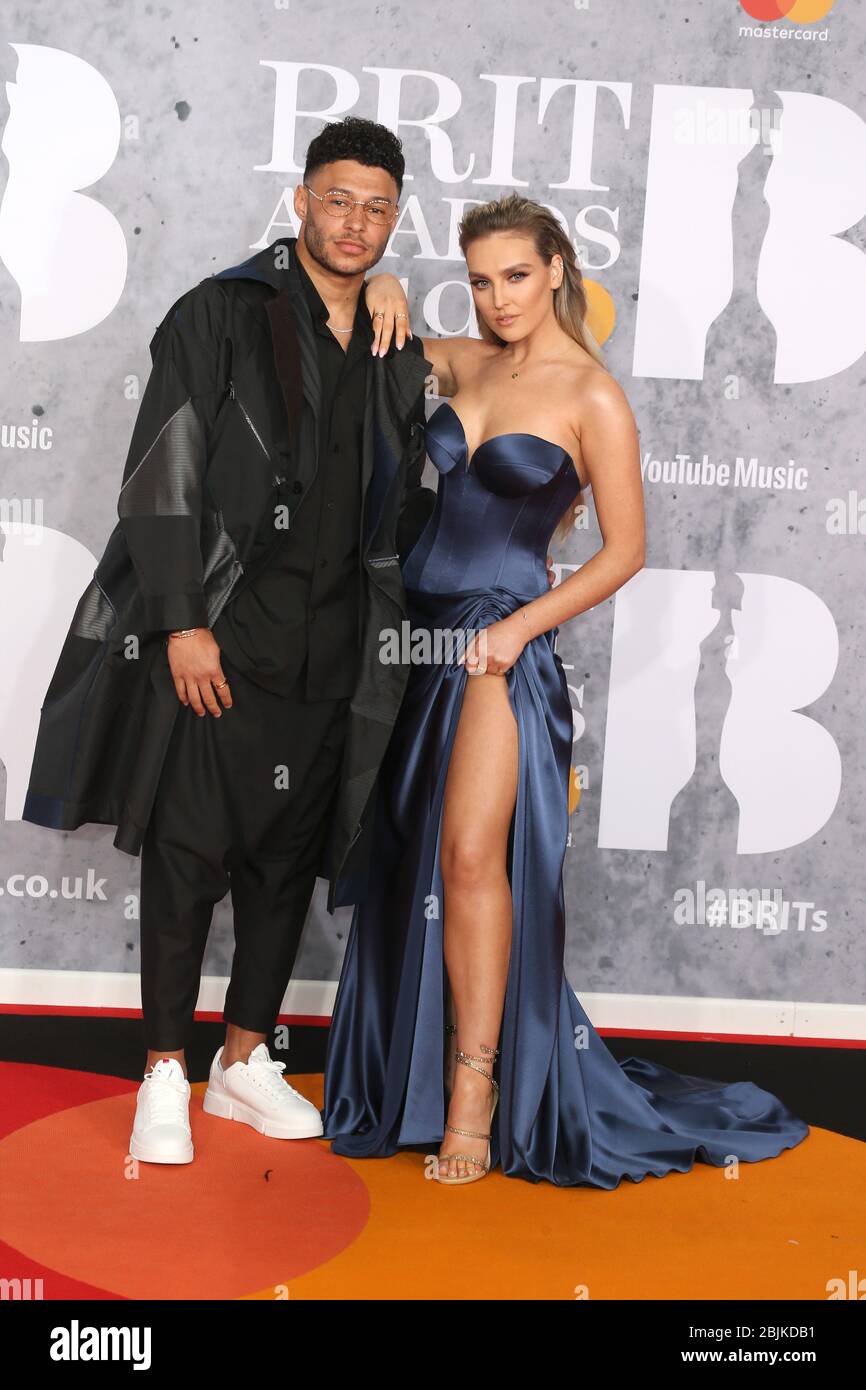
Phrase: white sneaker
(161, 1132)
(255, 1093)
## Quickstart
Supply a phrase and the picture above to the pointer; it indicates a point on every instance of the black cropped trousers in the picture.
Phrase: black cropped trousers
(242, 806)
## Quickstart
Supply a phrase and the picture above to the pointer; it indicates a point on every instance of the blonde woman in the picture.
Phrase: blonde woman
(454, 1023)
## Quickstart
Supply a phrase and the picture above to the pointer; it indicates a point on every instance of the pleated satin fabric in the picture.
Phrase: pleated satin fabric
(568, 1113)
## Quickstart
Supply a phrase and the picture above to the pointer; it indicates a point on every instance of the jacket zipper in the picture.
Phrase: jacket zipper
(249, 572)
(235, 397)
(277, 480)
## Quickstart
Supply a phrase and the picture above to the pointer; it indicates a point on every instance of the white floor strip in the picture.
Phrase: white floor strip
(74, 989)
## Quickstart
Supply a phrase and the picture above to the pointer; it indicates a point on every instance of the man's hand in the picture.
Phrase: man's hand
(551, 572)
(195, 667)
(386, 301)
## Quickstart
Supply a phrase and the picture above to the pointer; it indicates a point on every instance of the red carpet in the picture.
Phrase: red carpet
(263, 1218)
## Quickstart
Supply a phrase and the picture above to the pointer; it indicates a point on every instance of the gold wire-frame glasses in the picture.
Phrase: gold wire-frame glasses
(380, 210)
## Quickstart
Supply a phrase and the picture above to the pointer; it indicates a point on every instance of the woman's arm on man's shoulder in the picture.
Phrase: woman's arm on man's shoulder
(450, 356)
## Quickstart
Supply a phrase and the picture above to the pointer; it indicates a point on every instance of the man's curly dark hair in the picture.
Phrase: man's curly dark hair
(365, 141)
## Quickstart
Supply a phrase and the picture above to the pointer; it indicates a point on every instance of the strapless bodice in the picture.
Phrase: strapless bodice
(495, 513)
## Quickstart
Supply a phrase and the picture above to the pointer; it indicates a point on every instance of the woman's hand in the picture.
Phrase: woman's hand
(389, 309)
(495, 649)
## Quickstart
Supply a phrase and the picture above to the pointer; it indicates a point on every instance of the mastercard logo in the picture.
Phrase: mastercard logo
(797, 11)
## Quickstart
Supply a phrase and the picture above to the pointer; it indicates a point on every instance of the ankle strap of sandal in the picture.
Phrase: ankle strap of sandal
(489, 1051)
(491, 1054)
(468, 1060)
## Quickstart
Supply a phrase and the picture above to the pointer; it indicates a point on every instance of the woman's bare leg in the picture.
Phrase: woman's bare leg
(479, 799)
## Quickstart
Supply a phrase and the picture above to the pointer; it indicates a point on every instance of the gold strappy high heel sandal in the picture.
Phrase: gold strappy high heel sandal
(468, 1059)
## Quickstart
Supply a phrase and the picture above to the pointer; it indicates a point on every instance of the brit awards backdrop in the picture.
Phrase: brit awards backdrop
(708, 160)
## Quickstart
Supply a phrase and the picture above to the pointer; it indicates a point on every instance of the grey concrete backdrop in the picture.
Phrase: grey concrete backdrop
(718, 710)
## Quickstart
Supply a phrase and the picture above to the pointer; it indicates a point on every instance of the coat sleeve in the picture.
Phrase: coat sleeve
(160, 501)
(418, 502)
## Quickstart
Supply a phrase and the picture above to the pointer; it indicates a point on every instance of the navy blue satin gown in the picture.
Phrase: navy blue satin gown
(568, 1111)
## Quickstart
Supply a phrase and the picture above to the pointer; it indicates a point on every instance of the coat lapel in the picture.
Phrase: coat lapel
(294, 346)
(393, 385)
(297, 366)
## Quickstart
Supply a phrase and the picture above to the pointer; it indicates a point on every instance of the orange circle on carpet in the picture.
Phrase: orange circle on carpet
(267, 1219)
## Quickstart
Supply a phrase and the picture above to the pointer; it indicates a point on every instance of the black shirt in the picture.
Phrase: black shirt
(306, 602)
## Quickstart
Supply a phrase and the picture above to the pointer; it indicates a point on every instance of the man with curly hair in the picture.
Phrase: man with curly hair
(273, 484)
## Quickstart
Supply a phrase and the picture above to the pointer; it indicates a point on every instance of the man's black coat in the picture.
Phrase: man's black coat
(224, 444)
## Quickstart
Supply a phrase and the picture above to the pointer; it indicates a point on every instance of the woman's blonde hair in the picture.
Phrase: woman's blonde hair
(514, 213)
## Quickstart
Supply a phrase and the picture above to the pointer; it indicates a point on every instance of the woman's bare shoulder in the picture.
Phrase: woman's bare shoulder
(595, 392)
(598, 416)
